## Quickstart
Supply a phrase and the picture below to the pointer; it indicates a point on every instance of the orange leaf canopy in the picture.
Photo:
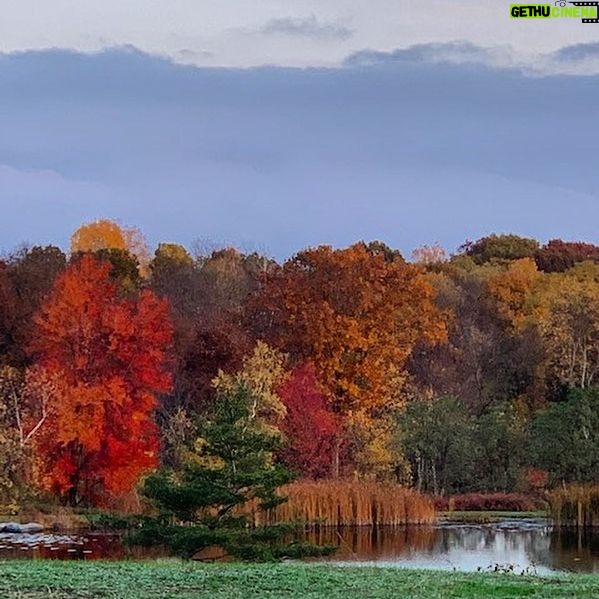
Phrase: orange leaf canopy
(110, 356)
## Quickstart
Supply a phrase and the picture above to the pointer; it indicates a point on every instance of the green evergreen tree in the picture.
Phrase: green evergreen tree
(231, 474)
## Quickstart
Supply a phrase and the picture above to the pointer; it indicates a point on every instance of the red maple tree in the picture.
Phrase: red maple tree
(109, 354)
(310, 426)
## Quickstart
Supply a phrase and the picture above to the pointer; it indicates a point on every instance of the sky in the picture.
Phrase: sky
(280, 125)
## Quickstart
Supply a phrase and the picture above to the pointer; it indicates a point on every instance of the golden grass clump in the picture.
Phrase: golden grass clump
(349, 503)
(575, 505)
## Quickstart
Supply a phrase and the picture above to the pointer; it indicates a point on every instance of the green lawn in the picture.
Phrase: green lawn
(184, 580)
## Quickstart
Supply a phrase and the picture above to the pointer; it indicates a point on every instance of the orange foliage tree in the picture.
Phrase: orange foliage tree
(356, 314)
(105, 234)
(353, 313)
(108, 358)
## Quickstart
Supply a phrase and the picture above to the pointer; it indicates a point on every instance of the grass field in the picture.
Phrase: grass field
(187, 580)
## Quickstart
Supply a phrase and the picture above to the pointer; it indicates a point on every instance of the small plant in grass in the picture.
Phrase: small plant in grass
(232, 474)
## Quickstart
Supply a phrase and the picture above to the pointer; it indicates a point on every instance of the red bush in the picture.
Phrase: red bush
(481, 502)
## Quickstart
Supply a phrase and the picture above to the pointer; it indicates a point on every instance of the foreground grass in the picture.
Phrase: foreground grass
(187, 580)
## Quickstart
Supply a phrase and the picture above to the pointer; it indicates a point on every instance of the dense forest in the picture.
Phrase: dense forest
(451, 374)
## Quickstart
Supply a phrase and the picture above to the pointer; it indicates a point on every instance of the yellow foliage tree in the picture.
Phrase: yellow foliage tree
(173, 252)
(568, 318)
(513, 291)
(262, 373)
(374, 448)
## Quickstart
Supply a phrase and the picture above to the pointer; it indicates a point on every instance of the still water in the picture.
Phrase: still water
(530, 545)
(519, 545)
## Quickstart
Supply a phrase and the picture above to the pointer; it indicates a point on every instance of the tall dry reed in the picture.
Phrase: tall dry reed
(575, 505)
(349, 503)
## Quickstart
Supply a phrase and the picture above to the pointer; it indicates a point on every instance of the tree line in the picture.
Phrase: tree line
(470, 372)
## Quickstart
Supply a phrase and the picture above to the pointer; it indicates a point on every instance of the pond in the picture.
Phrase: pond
(530, 545)
(519, 545)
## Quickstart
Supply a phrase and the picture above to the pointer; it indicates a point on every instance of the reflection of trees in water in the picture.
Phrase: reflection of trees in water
(376, 543)
(575, 549)
(561, 549)
(459, 545)
(520, 547)
(472, 538)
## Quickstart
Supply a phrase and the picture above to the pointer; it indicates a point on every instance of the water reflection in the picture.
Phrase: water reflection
(531, 545)
(521, 545)
(71, 546)
(574, 550)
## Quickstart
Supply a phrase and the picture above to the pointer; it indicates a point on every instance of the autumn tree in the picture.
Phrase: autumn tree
(559, 256)
(371, 447)
(429, 255)
(25, 279)
(26, 399)
(105, 234)
(485, 359)
(356, 314)
(109, 355)
(208, 296)
(513, 292)
(125, 268)
(310, 426)
(231, 276)
(219, 347)
(262, 374)
(8, 302)
(172, 275)
(200, 350)
(568, 317)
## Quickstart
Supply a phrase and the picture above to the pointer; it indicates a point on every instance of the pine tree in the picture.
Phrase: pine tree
(231, 475)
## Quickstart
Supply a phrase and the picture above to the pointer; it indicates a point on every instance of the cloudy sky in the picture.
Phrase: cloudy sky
(276, 32)
(278, 124)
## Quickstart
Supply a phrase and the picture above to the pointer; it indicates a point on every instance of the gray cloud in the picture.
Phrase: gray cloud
(577, 52)
(457, 52)
(187, 54)
(309, 27)
(576, 59)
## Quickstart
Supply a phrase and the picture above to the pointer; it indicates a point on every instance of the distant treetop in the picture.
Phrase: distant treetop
(559, 256)
(500, 248)
(105, 234)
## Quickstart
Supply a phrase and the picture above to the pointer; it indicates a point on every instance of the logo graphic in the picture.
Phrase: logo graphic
(588, 12)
